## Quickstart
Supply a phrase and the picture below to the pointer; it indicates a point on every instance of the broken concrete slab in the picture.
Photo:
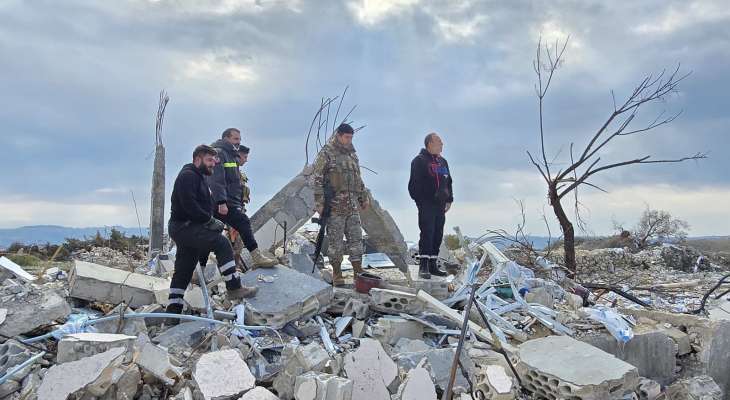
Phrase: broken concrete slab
(156, 361)
(320, 386)
(560, 366)
(291, 296)
(223, 374)
(12, 354)
(383, 234)
(648, 389)
(395, 302)
(15, 269)
(313, 356)
(94, 282)
(76, 346)
(63, 380)
(700, 387)
(417, 385)
(371, 371)
(494, 383)
(652, 351)
(297, 360)
(356, 308)
(258, 393)
(439, 362)
(33, 312)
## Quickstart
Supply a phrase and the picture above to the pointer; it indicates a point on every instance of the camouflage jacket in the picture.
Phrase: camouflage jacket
(338, 167)
(246, 191)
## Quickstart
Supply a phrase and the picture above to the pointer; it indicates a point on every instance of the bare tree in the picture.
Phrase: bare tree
(658, 225)
(587, 163)
(157, 213)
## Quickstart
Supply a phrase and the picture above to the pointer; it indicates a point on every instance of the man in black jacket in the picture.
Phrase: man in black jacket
(225, 183)
(195, 230)
(430, 186)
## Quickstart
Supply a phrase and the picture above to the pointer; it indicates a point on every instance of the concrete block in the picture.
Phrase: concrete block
(358, 328)
(540, 295)
(223, 374)
(156, 361)
(700, 387)
(357, 309)
(389, 329)
(495, 383)
(652, 351)
(371, 371)
(680, 338)
(80, 345)
(395, 302)
(33, 312)
(94, 282)
(63, 380)
(560, 366)
(259, 393)
(291, 296)
(312, 357)
(320, 386)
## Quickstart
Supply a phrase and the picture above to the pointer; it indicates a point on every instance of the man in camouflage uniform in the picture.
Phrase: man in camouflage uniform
(235, 237)
(337, 166)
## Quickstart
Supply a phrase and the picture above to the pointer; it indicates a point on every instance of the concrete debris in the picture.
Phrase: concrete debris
(299, 338)
(321, 386)
(559, 366)
(95, 282)
(223, 374)
(91, 373)
(371, 370)
(81, 345)
(697, 388)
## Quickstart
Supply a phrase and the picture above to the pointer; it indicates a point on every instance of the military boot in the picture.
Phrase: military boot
(423, 271)
(261, 261)
(433, 267)
(337, 279)
(357, 267)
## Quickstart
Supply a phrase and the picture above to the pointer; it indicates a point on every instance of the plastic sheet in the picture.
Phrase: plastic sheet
(76, 323)
(613, 321)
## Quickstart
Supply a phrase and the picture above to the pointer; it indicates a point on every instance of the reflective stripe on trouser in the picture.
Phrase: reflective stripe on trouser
(230, 275)
(350, 227)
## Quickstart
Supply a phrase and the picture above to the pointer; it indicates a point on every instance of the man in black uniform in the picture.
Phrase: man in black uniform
(195, 230)
(430, 186)
(225, 183)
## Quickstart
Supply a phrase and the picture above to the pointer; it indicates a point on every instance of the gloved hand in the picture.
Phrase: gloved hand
(214, 224)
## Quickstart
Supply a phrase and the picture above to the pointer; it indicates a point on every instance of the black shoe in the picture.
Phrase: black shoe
(433, 268)
(423, 272)
(173, 309)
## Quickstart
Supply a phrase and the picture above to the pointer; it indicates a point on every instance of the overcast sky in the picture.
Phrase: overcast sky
(80, 82)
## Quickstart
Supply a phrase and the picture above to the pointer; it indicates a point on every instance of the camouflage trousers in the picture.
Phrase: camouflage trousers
(350, 227)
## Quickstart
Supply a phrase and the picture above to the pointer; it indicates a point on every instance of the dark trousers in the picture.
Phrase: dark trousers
(240, 222)
(431, 220)
(192, 240)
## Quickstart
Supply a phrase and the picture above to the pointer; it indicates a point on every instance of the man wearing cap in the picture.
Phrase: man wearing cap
(337, 168)
(430, 187)
(195, 231)
(225, 183)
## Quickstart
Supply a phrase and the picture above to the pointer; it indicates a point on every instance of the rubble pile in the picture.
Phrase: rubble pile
(105, 256)
(494, 330)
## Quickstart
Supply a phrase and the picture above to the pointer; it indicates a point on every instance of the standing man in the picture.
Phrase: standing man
(337, 168)
(235, 236)
(225, 184)
(430, 186)
(195, 230)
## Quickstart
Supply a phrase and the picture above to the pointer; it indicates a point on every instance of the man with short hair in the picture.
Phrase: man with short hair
(337, 169)
(195, 230)
(225, 183)
(430, 186)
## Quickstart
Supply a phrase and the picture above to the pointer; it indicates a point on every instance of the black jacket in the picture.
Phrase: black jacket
(191, 199)
(225, 183)
(430, 179)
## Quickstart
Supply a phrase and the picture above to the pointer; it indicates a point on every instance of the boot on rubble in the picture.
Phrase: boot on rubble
(356, 267)
(433, 267)
(172, 308)
(262, 261)
(423, 270)
(337, 279)
(236, 291)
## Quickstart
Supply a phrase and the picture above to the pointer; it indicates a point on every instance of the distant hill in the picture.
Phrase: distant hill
(42, 234)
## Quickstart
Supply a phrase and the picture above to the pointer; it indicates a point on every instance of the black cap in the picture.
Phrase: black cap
(243, 149)
(345, 128)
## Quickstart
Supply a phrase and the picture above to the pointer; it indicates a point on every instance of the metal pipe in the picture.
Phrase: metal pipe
(455, 364)
(20, 367)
